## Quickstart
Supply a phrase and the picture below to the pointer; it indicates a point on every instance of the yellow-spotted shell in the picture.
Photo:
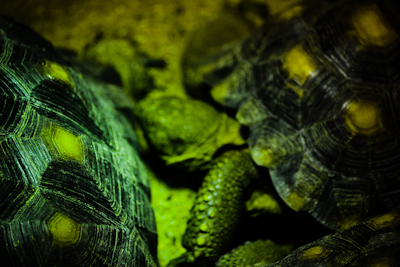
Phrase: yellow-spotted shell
(73, 191)
(320, 92)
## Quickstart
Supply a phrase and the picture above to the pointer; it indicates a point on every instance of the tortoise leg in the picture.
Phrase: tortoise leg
(218, 209)
(219, 206)
(252, 253)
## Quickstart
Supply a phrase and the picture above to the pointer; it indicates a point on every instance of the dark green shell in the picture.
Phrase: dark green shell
(374, 242)
(330, 137)
(73, 190)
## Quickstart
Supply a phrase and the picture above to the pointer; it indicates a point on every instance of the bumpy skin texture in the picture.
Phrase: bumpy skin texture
(184, 132)
(258, 252)
(219, 205)
(73, 189)
(188, 133)
(319, 89)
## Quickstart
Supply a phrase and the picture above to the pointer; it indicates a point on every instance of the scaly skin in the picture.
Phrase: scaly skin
(186, 133)
(175, 127)
(258, 252)
(218, 211)
(219, 206)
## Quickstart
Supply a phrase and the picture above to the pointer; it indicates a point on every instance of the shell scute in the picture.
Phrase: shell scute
(74, 191)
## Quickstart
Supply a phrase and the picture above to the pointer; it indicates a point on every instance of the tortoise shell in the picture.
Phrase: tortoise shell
(373, 242)
(73, 189)
(319, 88)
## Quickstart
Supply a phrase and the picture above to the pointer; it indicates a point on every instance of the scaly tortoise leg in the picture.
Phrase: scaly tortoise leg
(218, 209)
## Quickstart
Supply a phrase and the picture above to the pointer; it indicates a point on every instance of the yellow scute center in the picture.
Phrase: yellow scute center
(65, 231)
(363, 117)
(63, 143)
(295, 201)
(68, 144)
(57, 72)
(298, 64)
(384, 221)
(371, 28)
(263, 156)
(314, 252)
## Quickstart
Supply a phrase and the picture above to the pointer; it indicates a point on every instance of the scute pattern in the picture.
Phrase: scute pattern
(360, 245)
(66, 152)
(325, 92)
(318, 87)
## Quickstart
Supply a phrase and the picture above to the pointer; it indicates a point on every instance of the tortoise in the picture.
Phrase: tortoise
(318, 88)
(74, 191)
